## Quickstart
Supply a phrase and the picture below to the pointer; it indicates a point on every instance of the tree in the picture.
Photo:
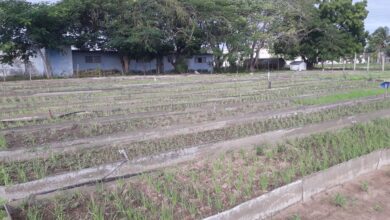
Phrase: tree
(87, 28)
(26, 29)
(134, 31)
(223, 28)
(333, 29)
(181, 31)
(379, 42)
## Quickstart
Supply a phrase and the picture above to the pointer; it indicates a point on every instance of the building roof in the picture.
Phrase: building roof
(297, 62)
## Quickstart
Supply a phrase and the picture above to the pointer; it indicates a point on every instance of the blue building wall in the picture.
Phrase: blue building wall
(64, 63)
(206, 66)
(139, 66)
(60, 62)
(168, 67)
(109, 61)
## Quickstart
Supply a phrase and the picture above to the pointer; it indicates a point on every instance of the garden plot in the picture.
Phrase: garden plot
(205, 187)
(366, 197)
(146, 117)
(88, 153)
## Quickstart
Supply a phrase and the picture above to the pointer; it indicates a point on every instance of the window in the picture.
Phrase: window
(200, 60)
(93, 59)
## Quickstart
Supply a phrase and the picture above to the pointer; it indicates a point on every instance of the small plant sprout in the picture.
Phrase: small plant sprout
(260, 151)
(264, 181)
(295, 217)
(3, 143)
(340, 200)
(378, 207)
(364, 186)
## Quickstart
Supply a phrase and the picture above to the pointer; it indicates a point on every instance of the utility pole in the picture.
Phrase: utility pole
(354, 63)
(368, 64)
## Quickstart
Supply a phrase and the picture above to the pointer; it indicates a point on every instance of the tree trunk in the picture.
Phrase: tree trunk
(253, 58)
(378, 59)
(27, 70)
(125, 64)
(256, 60)
(175, 61)
(46, 64)
(159, 65)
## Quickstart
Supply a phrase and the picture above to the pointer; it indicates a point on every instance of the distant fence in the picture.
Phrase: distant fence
(361, 62)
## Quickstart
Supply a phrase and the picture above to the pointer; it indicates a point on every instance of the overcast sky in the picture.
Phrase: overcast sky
(379, 13)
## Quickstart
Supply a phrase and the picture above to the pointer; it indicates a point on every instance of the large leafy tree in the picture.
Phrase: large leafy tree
(333, 29)
(26, 29)
(88, 22)
(379, 42)
(136, 29)
(135, 32)
(223, 28)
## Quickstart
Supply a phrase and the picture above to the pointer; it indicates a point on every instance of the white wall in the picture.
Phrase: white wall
(35, 67)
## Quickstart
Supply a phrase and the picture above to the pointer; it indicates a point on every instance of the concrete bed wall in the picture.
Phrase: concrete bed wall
(301, 190)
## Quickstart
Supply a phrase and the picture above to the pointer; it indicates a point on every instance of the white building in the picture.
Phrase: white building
(298, 66)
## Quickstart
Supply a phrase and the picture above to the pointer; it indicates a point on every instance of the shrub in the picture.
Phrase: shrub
(260, 151)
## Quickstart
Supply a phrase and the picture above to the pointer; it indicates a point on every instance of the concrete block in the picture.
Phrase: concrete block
(265, 205)
(339, 174)
(385, 158)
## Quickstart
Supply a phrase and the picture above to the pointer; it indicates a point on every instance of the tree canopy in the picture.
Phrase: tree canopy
(332, 29)
(26, 28)
(233, 30)
(379, 42)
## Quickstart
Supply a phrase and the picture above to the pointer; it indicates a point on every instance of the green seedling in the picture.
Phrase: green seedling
(295, 217)
(3, 143)
(364, 186)
(340, 200)
(378, 208)
(260, 151)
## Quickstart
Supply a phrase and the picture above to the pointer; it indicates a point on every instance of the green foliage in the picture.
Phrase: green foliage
(295, 217)
(340, 200)
(264, 183)
(149, 28)
(181, 65)
(378, 207)
(364, 186)
(379, 41)
(355, 94)
(96, 210)
(330, 30)
(26, 28)
(3, 143)
(260, 151)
